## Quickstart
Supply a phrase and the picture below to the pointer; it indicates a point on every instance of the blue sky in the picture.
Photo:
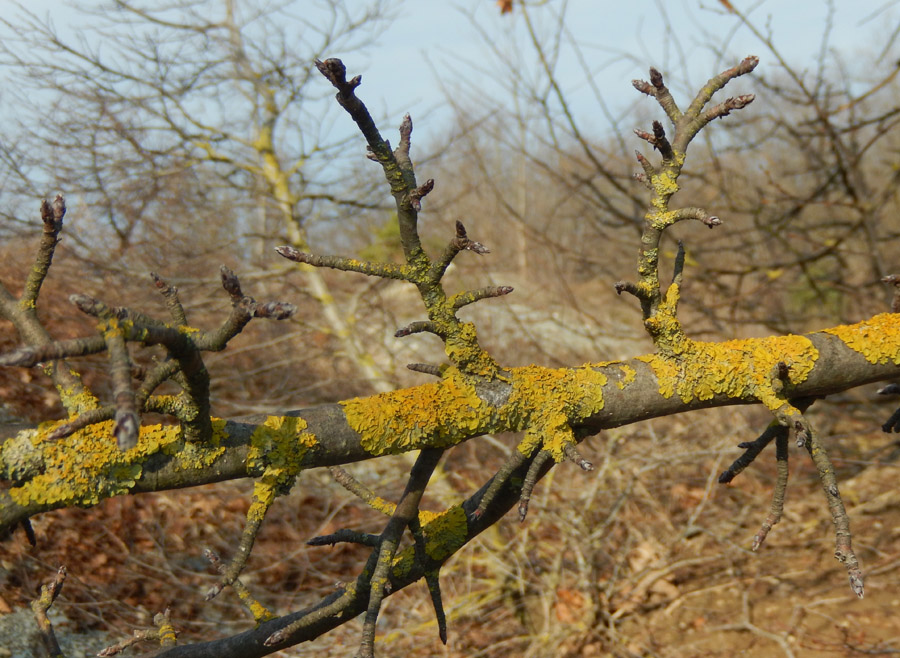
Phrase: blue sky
(622, 39)
(425, 50)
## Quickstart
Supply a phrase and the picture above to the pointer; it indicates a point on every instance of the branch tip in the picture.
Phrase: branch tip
(231, 283)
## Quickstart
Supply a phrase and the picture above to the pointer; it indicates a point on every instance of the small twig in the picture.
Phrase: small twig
(649, 169)
(164, 629)
(432, 580)
(41, 605)
(530, 480)
(128, 421)
(154, 379)
(358, 489)
(843, 549)
(658, 90)
(459, 242)
(406, 513)
(501, 477)
(170, 294)
(346, 536)
(416, 196)
(29, 531)
(52, 216)
(137, 637)
(661, 142)
(427, 368)
(575, 457)
(695, 119)
(894, 280)
(627, 286)
(777, 508)
(256, 609)
(264, 494)
(82, 420)
(698, 214)
(27, 357)
(752, 449)
(416, 328)
(678, 266)
(471, 296)
(726, 108)
(382, 270)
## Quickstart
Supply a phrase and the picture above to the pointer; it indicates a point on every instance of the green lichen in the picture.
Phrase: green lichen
(445, 533)
(278, 446)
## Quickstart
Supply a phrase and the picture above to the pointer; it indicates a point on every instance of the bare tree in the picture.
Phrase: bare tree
(102, 449)
(198, 108)
(803, 183)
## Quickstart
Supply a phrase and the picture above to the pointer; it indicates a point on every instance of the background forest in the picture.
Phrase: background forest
(197, 133)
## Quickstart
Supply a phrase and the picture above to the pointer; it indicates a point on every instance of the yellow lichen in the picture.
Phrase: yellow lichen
(664, 184)
(877, 339)
(87, 466)
(445, 532)
(546, 401)
(738, 369)
(628, 375)
(278, 446)
(462, 349)
(432, 415)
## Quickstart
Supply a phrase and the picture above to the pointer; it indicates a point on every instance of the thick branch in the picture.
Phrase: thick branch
(439, 414)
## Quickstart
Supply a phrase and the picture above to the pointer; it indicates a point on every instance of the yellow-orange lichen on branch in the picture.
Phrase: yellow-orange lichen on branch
(877, 339)
(738, 369)
(433, 415)
(87, 466)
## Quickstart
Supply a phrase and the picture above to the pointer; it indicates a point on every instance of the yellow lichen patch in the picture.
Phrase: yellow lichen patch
(432, 415)
(278, 446)
(167, 635)
(80, 469)
(87, 466)
(664, 184)
(260, 612)
(738, 369)
(462, 348)
(77, 402)
(445, 532)
(545, 401)
(539, 392)
(264, 492)
(553, 437)
(628, 375)
(877, 339)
